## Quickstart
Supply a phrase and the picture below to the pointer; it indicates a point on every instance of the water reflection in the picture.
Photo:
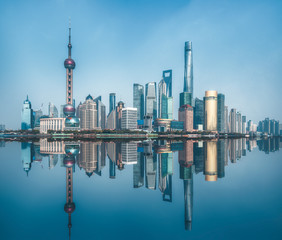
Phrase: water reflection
(152, 162)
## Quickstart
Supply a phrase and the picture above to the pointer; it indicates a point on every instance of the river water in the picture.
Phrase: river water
(220, 189)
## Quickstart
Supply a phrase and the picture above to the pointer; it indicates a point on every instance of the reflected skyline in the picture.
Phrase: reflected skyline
(152, 162)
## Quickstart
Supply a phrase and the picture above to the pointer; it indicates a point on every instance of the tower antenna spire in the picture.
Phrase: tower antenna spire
(69, 45)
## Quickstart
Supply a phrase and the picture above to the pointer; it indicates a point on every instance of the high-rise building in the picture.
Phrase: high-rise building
(167, 77)
(232, 120)
(186, 97)
(188, 68)
(226, 125)
(238, 122)
(220, 113)
(267, 125)
(151, 100)
(244, 124)
(37, 115)
(112, 102)
(272, 126)
(138, 100)
(27, 115)
(111, 120)
(277, 133)
(210, 110)
(101, 113)
(185, 114)
(165, 102)
(129, 118)
(119, 108)
(52, 111)
(198, 114)
(88, 114)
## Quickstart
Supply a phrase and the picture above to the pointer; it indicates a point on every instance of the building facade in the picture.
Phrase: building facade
(210, 110)
(185, 114)
(129, 118)
(220, 113)
(138, 100)
(27, 115)
(151, 100)
(87, 112)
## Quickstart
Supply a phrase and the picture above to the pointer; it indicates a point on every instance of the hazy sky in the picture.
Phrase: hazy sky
(237, 50)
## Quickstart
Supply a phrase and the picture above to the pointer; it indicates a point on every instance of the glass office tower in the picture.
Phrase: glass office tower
(151, 100)
(27, 115)
(138, 100)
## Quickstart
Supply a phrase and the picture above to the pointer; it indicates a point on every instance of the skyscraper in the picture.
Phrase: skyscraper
(232, 120)
(185, 114)
(167, 77)
(119, 108)
(244, 124)
(112, 102)
(151, 100)
(198, 114)
(220, 113)
(186, 97)
(138, 100)
(101, 113)
(210, 110)
(226, 125)
(165, 101)
(52, 111)
(129, 118)
(27, 115)
(87, 113)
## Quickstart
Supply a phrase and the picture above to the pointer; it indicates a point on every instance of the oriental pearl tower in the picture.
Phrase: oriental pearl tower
(71, 122)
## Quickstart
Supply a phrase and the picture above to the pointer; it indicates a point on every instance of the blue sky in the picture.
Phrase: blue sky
(236, 45)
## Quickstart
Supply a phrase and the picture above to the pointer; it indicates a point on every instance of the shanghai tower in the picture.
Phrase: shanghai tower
(186, 97)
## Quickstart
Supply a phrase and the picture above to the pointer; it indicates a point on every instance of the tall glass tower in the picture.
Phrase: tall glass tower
(151, 100)
(220, 113)
(186, 97)
(138, 100)
(27, 115)
(112, 102)
(167, 77)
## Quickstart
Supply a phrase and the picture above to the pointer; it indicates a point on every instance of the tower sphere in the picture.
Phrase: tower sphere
(69, 63)
(69, 207)
(69, 110)
(69, 161)
(72, 150)
(72, 121)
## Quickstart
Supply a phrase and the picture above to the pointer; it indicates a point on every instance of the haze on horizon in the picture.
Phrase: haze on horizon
(236, 50)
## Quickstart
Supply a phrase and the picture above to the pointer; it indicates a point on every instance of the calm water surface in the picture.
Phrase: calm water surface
(227, 189)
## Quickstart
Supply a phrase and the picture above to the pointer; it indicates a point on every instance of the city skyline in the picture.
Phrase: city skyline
(258, 99)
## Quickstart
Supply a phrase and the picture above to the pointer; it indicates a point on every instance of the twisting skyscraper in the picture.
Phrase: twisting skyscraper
(186, 97)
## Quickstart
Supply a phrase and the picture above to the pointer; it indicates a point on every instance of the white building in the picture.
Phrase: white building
(56, 124)
(129, 118)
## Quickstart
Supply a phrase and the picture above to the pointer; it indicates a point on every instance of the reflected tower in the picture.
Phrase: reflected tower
(211, 161)
(69, 162)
